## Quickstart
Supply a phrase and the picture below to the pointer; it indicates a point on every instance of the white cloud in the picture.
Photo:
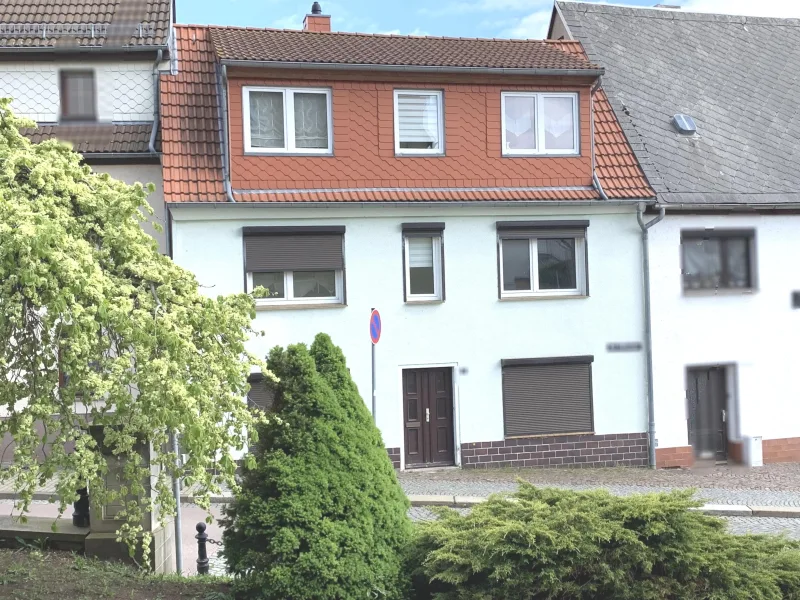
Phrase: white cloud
(752, 8)
(534, 26)
(289, 22)
(416, 31)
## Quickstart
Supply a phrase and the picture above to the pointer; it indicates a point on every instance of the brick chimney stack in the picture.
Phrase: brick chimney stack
(316, 21)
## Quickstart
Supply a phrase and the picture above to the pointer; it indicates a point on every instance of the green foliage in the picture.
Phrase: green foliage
(85, 292)
(563, 545)
(321, 515)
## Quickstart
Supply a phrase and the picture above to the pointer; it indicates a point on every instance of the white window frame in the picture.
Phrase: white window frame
(540, 135)
(290, 300)
(533, 258)
(437, 295)
(288, 120)
(440, 122)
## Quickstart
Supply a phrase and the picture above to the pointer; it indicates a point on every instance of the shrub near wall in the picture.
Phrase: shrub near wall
(321, 516)
(562, 545)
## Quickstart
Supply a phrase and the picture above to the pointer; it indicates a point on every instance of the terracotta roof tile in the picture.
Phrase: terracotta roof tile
(416, 195)
(193, 169)
(285, 45)
(95, 138)
(189, 112)
(22, 22)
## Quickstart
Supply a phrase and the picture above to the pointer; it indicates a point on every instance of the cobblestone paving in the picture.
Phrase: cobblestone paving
(771, 485)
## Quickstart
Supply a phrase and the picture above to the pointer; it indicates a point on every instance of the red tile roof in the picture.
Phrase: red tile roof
(192, 154)
(95, 138)
(418, 195)
(284, 45)
(22, 22)
(190, 122)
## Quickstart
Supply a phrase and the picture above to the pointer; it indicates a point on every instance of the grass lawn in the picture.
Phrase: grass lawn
(51, 575)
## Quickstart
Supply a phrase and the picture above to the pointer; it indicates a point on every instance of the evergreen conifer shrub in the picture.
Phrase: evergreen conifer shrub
(321, 515)
(564, 545)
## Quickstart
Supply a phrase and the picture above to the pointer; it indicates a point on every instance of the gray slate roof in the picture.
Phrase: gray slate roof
(739, 77)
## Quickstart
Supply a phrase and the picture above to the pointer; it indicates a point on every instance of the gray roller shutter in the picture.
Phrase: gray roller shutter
(293, 249)
(544, 397)
(260, 395)
(541, 229)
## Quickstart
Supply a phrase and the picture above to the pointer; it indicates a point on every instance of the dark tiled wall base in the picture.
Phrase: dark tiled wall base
(394, 456)
(576, 451)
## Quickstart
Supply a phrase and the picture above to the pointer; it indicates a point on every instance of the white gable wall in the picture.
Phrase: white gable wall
(125, 90)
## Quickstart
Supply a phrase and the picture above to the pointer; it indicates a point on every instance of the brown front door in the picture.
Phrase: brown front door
(707, 397)
(428, 414)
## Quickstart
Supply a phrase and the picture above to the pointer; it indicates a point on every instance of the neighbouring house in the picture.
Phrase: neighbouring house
(711, 106)
(479, 193)
(87, 73)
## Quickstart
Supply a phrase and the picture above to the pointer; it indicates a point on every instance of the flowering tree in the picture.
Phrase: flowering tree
(97, 328)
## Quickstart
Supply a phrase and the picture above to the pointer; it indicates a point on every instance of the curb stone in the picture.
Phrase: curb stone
(718, 510)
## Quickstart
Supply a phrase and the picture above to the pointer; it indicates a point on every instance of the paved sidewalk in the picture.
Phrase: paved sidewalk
(771, 485)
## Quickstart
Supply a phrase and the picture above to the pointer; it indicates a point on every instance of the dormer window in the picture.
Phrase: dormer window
(78, 98)
(287, 120)
(418, 126)
(540, 124)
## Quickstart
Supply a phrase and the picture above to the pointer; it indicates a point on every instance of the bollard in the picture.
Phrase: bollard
(80, 516)
(202, 555)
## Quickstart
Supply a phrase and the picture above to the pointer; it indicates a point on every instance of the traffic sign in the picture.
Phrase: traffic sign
(375, 326)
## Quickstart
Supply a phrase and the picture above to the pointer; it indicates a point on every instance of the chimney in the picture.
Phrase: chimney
(316, 21)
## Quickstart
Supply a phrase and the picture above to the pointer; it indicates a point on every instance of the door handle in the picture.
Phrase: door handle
(724, 415)
(427, 415)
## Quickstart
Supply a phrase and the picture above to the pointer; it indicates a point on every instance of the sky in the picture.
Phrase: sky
(461, 18)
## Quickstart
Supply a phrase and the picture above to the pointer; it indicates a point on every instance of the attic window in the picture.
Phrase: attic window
(684, 124)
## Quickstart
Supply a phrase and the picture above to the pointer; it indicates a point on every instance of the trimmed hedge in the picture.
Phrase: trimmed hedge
(563, 545)
(321, 516)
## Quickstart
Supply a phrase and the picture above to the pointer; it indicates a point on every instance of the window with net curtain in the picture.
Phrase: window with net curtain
(288, 120)
(418, 122)
(537, 123)
(717, 260)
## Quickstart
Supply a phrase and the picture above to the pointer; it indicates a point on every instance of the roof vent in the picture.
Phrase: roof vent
(316, 9)
(684, 124)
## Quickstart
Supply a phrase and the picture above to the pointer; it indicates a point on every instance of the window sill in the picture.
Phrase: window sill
(542, 297)
(719, 292)
(431, 301)
(293, 153)
(269, 307)
(419, 155)
(544, 155)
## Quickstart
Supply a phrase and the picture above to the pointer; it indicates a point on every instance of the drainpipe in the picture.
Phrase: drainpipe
(595, 180)
(156, 102)
(648, 331)
(222, 88)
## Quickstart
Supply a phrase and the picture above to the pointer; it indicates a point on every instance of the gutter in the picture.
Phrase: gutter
(648, 330)
(407, 203)
(410, 68)
(156, 103)
(22, 50)
(222, 94)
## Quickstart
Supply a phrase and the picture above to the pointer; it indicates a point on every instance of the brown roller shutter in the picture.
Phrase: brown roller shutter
(541, 399)
(293, 252)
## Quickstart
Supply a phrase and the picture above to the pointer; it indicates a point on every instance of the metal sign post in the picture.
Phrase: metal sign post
(374, 336)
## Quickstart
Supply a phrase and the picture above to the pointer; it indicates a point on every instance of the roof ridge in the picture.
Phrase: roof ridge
(669, 14)
(378, 35)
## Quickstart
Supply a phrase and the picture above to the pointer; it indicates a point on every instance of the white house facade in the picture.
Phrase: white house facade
(84, 81)
(479, 213)
(469, 335)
